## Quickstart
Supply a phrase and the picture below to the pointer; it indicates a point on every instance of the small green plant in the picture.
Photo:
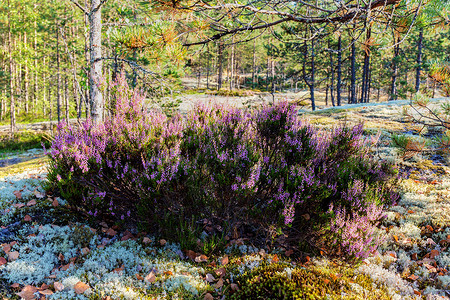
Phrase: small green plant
(214, 244)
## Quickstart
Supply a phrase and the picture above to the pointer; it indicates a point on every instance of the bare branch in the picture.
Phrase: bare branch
(343, 14)
(98, 6)
(79, 6)
(236, 30)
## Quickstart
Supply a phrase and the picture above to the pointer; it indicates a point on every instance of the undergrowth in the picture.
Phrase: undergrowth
(23, 140)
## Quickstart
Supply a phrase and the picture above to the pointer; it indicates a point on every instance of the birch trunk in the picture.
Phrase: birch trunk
(95, 76)
(36, 72)
(26, 75)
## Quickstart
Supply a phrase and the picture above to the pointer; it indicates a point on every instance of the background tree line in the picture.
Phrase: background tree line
(45, 52)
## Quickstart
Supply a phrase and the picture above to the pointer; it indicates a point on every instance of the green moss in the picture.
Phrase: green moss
(82, 236)
(230, 93)
(323, 121)
(278, 281)
(23, 166)
(330, 112)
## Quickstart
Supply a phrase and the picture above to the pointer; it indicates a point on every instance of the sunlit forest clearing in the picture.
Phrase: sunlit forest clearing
(224, 150)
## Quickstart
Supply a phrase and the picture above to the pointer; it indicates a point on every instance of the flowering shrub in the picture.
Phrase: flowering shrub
(219, 163)
(356, 235)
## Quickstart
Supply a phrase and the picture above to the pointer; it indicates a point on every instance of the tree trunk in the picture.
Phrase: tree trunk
(339, 73)
(365, 77)
(87, 55)
(44, 98)
(198, 76)
(369, 83)
(76, 95)
(273, 76)
(11, 79)
(254, 63)
(207, 66)
(309, 83)
(95, 76)
(36, 72)
(66, 96)
(86, 104)
(353, 73)
(18, 77)
(26, 75)
(267, 74)
(50, 106)
(395, 69)
(2, 105)
(58, 75)
(220, 63)
(332, 79)
(313, 71)
(419, 59)
(231, 78)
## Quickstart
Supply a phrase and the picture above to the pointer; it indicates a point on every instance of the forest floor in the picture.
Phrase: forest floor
(47, 251)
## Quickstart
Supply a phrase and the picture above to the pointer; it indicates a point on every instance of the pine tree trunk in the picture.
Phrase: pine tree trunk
(419, 59)
(395, 70)
(77, 97)
(11, 80)
(95, 76)
(58, 76)
(365, 77)
(232, 65)
(198, 76)
(86, 104)
(267, 74)
(254, 64)
(66, 96)
(50, 106)
(18, 77)
(44, 97)
(339, 73)
(313, 73)
(332, 79)
(273, 76)
(353, 74)
(2, 105)
(207, 66)
(369, 83)
(220, 63)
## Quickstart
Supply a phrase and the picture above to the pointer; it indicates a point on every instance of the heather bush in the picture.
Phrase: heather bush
(224, 165)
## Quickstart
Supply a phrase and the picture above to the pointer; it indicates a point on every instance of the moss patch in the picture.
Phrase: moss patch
(280, 281)
(23, 166)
